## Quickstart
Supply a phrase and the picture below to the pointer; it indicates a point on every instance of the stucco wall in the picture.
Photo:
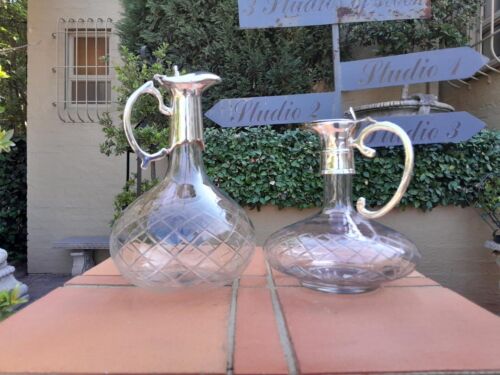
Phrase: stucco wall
(482, 99)
(70, 183)
(450, 239)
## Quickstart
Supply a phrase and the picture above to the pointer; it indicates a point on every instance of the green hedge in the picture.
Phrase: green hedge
(13, 192)
(204, 35)
(260, 166)
(13, 109)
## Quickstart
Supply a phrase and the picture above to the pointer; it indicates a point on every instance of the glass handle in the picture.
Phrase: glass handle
(359, 143)
(147, 88)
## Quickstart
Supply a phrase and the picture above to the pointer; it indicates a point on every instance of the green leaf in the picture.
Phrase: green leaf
(9, 300)
(3, 74)
(5, 140)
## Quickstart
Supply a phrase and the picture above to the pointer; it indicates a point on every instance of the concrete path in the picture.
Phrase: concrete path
(40, 284)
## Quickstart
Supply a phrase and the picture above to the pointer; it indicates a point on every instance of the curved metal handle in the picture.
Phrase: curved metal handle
(359, 143)
(147, 88)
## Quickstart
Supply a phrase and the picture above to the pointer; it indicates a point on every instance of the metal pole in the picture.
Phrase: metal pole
(139, 177)
(153, 171)
(128, 167)
(338, 107)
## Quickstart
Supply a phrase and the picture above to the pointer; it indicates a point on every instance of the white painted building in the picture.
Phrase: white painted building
(71, 185)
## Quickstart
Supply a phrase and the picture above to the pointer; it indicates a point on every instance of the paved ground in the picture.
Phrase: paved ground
(40, 284)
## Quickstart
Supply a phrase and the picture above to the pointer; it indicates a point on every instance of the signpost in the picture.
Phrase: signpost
(292, 13)
(431, 66)
(453, 127)
(450, 127)
(272, 110)
(420, 67)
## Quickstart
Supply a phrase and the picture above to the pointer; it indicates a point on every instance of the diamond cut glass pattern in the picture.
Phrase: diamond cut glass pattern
(184, 243)
(338, 250)
(184, 232)
(360, 257)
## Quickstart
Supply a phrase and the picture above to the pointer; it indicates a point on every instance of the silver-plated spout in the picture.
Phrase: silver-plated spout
(187, 118)
(185, 110)
(337, 155)
(193, 82)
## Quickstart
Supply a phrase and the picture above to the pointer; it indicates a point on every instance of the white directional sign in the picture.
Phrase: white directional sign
(291, 13)
(272, 110)
(420, 67)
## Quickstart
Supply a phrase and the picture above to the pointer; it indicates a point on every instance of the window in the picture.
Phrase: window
(86, 53)
(487, 47)
(490, 6)
(490, 31)
(485, 38)
(88, 73)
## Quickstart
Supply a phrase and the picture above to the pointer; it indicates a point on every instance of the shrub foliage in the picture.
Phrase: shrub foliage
(205, 35)
(13, 192)
(13, 70)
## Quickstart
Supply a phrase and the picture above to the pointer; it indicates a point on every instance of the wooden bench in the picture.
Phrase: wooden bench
(82, 250)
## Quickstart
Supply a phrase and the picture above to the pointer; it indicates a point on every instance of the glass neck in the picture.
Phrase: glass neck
(337, 192)
(186, 162)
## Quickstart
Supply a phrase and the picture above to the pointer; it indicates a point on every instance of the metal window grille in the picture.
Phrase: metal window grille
(486, 40)
(83, 73)
(490, 30)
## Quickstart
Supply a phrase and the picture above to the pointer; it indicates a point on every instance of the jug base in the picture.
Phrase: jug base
(339, 289)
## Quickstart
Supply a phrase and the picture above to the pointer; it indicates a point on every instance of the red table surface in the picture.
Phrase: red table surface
(264, 324)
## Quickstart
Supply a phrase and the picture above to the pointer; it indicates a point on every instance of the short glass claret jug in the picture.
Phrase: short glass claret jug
(184, 232)
(341, 250)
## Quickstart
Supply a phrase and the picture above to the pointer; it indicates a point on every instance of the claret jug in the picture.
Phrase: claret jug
(341, 250)
(184, 232)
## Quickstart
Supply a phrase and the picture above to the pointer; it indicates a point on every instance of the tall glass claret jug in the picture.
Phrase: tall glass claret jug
(340, 250)
(184, 232)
